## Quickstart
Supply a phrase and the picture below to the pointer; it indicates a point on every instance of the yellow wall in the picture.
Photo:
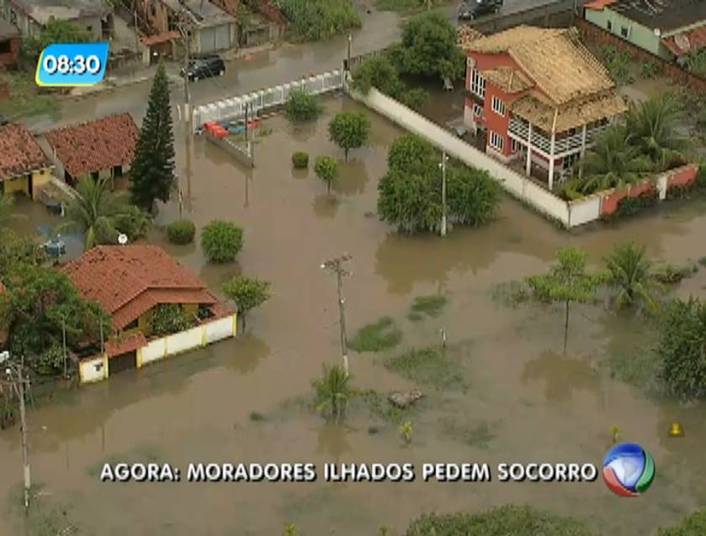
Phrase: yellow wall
(21, 184)
(18, 184)
(39, 179)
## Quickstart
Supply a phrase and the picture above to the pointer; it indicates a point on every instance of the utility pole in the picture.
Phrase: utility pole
(442, 165)
(348, 56)
(336, 266)
(14, 376)
(185, 31)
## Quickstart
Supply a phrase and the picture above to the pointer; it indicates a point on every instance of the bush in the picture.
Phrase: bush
(382, 335)
(301, 106)
(629, 206)
(181, 232)
(51, 361)
(429, 366)
(378, 72)
(682, 339)
(326, 168)
(221, 241)
(170, 318)
(313, 20)
(300, 160)
(414, 98)
(502, 521)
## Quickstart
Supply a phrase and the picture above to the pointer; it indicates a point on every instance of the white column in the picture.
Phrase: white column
(551, 161)
(529, 150)
(583, 150)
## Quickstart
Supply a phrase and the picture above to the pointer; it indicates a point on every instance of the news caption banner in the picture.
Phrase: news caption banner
(72, 64)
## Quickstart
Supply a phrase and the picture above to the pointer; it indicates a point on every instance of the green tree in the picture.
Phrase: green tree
(611, 163)
(502, 521)
(181, 231)
(302, 106)
(247, 293)
(692, 525)
(473, 196)
(326, 168)
(221, 241)
(410, 201)
(349, 130)
(411, 153)
(37, 302)
(429, 48)
(152, 173)
(314, 20)
(101, 215)
(568, 281)
(652, 129)
(629, 273)
(168, 318)
(332, 392)
(54, 31)
(16, 251)
(682, 348)
(378, 72)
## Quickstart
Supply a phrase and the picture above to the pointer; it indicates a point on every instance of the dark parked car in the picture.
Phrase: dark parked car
(205, 67)
(472, 9)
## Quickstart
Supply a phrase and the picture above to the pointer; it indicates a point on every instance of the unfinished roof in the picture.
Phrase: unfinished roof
(95, 145)
(201, 12)
(687, 42)
(43, 10)
(554, 59)
(508, 79)
(465, 35)
(572, 116)
(128, 281)
(19, 152)
(664, 15)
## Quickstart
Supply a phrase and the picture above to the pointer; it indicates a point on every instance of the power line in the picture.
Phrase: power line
(336, 265)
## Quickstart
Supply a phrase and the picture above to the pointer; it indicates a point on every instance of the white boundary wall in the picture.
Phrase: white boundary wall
(234, 108)
(584, 210)
(514, 183)
(93, 370)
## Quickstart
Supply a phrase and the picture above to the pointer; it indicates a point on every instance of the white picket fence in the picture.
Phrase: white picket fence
(234, 108)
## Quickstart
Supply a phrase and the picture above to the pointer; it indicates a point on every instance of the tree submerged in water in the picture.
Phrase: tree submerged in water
(332, 392)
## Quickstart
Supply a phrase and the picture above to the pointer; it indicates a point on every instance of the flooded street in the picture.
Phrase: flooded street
(531, 402)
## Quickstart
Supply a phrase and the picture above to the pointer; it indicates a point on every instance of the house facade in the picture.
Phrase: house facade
(131, 283)
(10, 43)
(101, 148)
(537, 96)
(30, 16)
(24, 168)
(670, 29)
(212, 29)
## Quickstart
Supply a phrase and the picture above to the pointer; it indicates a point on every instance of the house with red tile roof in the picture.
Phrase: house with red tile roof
(101, 148)
(23, 165)
(133, 284)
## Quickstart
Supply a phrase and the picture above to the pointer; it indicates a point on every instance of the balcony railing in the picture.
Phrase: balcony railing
(562, 146)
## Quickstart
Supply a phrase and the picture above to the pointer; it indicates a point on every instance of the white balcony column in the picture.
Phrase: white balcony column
(529, 150)
(551, 160)
(583, 150)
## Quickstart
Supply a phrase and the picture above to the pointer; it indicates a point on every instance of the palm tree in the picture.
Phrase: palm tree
(94, 211)
(630, 274)
(652, 128)
(333, 392)
(611, 163)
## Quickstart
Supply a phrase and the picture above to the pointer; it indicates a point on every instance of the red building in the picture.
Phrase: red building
(538, 95)
(9, 45)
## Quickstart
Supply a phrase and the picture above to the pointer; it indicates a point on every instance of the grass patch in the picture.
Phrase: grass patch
(380, 407)
(25, 99)
(671, 275)
(382, 335)
(511, 293)
(477, 435)
(257, 417)
(702, 261)
(429, 306)
(406, 6)
(639, 369)
(428, 366)
(45, 516)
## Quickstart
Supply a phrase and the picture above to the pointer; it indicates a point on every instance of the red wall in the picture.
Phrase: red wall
(9, 59)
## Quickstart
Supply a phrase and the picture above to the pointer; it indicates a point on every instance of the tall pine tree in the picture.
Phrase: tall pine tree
(152, 174)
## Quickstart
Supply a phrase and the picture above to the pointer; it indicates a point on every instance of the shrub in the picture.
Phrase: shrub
(349, 130)
(170, 318)
(300, 160)
(682, 340)
(181, 232)
(221, 241)
(629, 206)
(428, 366)
(414, 98)
(326, 168)
(382, 335)
(302, 106)
(313, 20)
(51, 361)
(378, 72)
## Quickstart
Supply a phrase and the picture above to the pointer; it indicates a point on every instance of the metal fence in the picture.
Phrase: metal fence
(234, 108)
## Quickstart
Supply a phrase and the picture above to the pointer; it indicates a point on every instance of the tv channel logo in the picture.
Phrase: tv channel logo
(628, 470)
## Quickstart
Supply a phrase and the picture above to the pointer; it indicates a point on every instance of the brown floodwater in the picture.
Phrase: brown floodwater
(532, 402)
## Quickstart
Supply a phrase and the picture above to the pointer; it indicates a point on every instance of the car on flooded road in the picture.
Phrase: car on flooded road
(204, 67)
(472, 9)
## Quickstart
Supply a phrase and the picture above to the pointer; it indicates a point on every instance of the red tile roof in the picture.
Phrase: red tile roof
(598, 5)
(127, 343)
(95, 145)
(150, 40)
(129, 280)
(19, 152)
(686, 42)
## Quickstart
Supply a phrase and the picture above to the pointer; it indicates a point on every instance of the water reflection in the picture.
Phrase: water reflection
(561, 376)
(333, 440)
(352, 177)
(250, 352)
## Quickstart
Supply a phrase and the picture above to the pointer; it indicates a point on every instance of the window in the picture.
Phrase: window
(5, 47)
(496, 141)
(624, 31)
(609, 25)
(514, 145)
(478, 84)
(498, 106)
(477, 110)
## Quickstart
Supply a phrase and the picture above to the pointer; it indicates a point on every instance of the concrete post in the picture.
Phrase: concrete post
(528, 171)
(583, 150)
(551, 161)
